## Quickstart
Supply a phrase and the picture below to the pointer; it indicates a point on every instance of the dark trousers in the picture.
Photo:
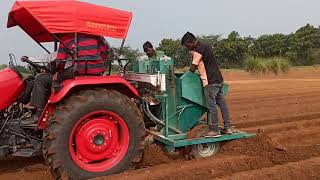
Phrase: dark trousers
(214, 96)
(41, 92)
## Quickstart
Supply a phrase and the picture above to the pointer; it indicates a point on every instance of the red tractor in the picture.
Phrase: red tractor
(92, 126)
(98, 125)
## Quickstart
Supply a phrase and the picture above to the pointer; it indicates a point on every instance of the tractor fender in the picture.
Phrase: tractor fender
(112, 82)
(109, 82)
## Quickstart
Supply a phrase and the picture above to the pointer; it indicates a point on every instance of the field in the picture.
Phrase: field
(283, 110)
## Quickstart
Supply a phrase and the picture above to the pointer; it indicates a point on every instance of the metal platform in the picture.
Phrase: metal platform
(180, 140)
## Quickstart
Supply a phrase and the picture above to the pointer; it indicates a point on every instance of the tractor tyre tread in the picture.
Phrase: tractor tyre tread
(60, 166)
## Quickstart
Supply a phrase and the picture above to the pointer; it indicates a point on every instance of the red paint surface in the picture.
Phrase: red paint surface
(41, 19)
(99, 158)
(11, 86)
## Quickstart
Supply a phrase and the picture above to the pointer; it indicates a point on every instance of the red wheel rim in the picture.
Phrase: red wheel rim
(99, 141)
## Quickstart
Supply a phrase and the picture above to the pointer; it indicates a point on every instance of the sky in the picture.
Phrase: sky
(154, 20)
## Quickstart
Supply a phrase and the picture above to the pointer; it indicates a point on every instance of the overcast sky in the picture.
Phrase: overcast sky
(154, 20)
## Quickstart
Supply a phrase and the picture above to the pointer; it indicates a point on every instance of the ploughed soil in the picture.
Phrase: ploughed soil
(284, 112)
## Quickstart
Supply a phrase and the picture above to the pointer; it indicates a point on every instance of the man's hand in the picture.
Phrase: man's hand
(55, 83)
(52, 67)
(24, 58)
(55, 77)
(193, 68)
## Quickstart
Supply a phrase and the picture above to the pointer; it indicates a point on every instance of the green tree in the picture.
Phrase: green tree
(128, 52)
(300, 47)
(174, 49)
(232, 50)
(2, 66)
(22, 69)
(304, 41)
(271, 45)
(212, 40)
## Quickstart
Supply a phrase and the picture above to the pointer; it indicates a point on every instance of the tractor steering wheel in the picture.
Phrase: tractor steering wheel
(36, 66)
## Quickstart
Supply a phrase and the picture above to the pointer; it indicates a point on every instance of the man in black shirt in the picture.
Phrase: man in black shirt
(205, 62)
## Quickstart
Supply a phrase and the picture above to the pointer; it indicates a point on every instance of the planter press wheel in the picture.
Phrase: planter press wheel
(201, 150)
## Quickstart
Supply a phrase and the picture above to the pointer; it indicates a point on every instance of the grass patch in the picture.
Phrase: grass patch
(266, 66)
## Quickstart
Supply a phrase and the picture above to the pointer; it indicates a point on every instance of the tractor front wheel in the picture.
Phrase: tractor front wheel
(94, 133)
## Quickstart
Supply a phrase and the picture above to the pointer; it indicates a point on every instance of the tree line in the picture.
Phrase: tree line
(301, 48)
(20, 68)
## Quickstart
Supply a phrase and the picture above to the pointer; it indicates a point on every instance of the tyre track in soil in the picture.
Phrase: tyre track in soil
(277, 148)
(287, 140)
(263, 93)
(24, 168)
(283, 100)
(236, 156)
(307, 169)
(284, 126)
(292, 119)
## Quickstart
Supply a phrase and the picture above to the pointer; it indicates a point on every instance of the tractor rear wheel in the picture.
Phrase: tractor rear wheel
(94, 133)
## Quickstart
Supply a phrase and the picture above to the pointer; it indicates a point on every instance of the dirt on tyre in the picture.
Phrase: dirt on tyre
(202, 150)
(94, 133)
